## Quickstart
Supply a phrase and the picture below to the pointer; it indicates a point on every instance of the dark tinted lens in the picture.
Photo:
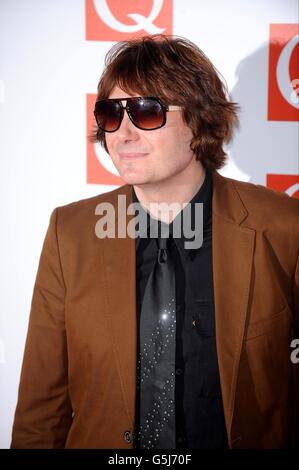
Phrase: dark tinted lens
(146, 113)
(108, 115)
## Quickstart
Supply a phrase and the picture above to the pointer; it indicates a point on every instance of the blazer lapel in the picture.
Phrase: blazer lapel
(233, 248)
(120, 273)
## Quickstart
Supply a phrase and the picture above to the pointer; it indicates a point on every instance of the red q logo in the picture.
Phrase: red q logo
(283, 92)
(117, 20)
(287, 183)
(100, 168)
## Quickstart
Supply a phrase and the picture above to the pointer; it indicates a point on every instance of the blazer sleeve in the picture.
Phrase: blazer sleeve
(43, 414)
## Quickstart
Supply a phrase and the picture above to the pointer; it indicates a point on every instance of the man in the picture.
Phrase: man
(96, 373)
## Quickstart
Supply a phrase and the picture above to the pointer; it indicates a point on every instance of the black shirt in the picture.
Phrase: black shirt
(198, 402)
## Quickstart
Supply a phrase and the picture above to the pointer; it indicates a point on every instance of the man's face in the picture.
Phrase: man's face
(150, 156)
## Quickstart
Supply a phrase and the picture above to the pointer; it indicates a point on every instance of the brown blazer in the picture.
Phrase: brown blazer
(77, 387)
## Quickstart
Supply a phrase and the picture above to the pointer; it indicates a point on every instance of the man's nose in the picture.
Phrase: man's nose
(127, 130)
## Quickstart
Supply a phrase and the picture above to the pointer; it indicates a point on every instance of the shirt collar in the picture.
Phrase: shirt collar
(203, 195)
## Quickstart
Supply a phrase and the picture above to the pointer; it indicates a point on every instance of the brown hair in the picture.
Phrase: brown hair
(177, 71)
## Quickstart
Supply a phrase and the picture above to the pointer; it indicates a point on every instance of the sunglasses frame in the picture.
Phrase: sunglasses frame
(164, 108)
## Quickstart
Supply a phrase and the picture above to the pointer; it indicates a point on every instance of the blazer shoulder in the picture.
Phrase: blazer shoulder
(260, 199)
(79, 210)
(259, 208)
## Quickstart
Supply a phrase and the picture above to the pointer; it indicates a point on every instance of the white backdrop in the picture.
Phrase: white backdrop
(47, 68)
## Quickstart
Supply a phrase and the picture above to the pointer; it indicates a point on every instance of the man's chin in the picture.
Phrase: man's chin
(134, 179)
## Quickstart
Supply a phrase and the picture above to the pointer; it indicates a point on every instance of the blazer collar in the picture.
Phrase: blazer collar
(233, 250)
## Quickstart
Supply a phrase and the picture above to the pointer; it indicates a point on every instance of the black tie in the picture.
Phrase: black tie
(157, 354)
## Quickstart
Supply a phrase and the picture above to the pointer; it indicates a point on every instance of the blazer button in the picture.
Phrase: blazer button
(128, 437)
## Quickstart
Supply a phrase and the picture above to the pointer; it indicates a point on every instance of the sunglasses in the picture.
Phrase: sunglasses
(147, 113)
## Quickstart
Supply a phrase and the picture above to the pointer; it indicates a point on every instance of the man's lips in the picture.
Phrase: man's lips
(132, 154)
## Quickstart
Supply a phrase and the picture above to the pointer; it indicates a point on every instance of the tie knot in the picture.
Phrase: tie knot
(163, 243)
(163, 247)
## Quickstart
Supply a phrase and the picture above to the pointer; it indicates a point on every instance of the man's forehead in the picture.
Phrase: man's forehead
(118, 92)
